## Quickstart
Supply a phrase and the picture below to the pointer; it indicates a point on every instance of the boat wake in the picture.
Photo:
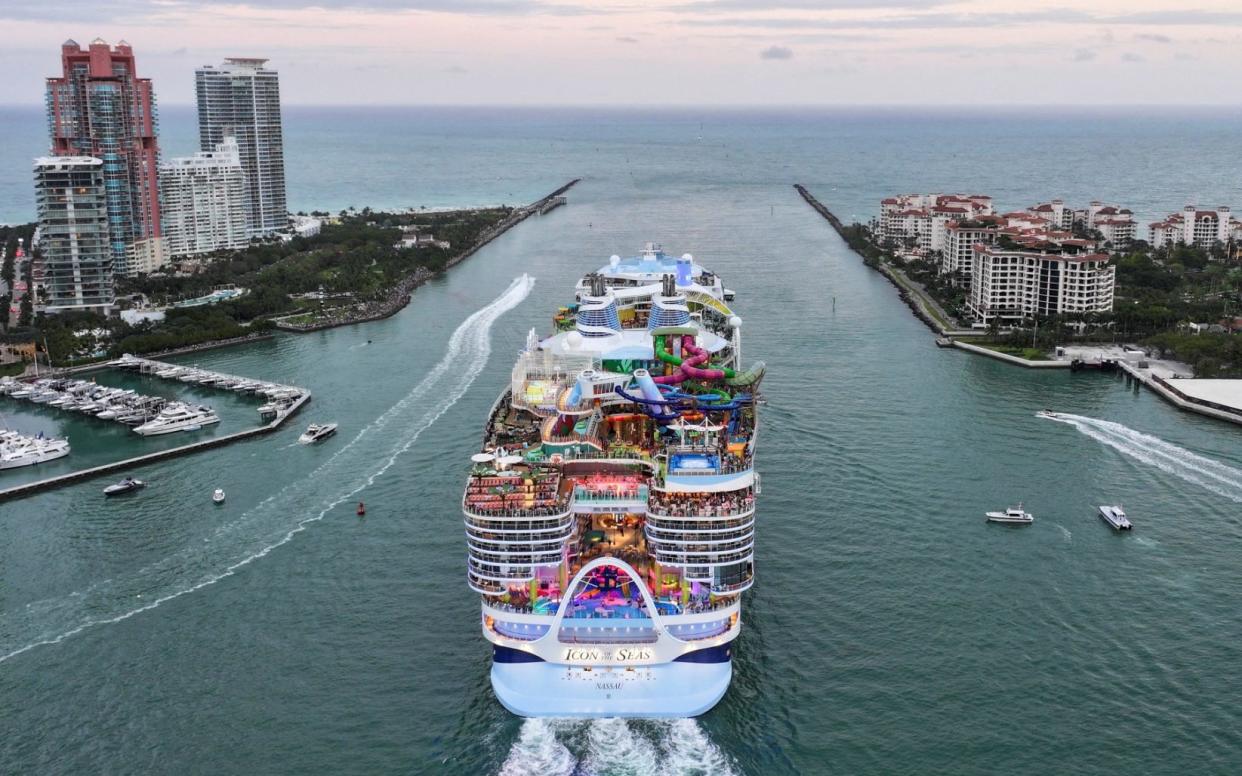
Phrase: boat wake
(1219, 478)
(277, 519)
(613, 747)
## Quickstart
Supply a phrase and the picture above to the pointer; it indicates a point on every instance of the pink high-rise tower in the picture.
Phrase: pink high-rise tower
(100, 107)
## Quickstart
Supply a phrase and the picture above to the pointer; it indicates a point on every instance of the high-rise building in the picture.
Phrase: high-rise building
(242, 98)
(100, 108)
(204, 201)
(74, 237)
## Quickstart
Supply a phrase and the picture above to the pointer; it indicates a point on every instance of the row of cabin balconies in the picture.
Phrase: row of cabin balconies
(656, 536)
(674, 556)
(694, 524)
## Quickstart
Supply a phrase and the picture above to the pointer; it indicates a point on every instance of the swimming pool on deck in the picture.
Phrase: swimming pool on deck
(693, 462)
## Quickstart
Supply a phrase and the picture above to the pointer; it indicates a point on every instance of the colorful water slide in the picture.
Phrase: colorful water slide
(689, 367)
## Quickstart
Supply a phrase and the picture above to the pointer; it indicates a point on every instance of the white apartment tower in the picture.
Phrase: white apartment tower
(77, 255)
(205, 201)
(1036, 276)
(242, 98)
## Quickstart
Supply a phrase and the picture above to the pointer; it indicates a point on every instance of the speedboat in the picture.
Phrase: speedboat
(1012, 515)
(177, 417)
(1115, 516)
(317, 431)
(1048, 414)
(127, 485)
(218, 496)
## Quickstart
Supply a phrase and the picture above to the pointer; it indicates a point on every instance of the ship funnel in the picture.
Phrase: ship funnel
(683, 270)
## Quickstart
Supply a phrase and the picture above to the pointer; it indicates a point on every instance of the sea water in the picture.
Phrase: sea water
(891, 630)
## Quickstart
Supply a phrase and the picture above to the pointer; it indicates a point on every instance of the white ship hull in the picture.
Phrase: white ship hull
(670, 690)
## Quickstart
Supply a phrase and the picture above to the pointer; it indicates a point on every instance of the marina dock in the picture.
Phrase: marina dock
(17, 491)
(284, 401)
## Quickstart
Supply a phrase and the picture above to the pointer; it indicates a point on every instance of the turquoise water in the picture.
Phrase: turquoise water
(891, 630)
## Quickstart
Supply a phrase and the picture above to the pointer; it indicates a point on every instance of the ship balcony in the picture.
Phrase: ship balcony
(517, 556)
(658, 537)
(696, 622)
(502, 511)
(557, 533)
(484, 526)
(698, 555)
(664, 524)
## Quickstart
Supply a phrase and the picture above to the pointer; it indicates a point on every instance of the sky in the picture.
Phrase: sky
(636, 52)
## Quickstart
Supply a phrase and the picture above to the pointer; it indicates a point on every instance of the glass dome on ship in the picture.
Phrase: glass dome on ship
(610, 514)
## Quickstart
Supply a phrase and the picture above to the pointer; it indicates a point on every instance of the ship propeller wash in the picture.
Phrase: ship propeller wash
(610, 516)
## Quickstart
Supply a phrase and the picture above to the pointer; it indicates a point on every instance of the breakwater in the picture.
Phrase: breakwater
(17, 491)
(918, 304)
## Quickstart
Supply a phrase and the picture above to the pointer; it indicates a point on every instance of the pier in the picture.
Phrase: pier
(1220, 399)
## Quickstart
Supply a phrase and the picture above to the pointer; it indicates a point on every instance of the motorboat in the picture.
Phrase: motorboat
(1049, 414)
(177, 417)
(317, 431)
(1012, 515)
(1115, 516)
(127, 485)
(217, 496)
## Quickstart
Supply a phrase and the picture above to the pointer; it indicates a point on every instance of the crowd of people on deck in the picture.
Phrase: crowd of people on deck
(702, 504)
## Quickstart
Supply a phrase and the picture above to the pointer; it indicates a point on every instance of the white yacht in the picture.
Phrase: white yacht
(1012, 515)
(177, 417)
(317, 431)
(1115, 516)
(33, 451)
(217, 496)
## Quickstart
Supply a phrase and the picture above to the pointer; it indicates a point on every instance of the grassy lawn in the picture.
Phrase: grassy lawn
(1030, 354)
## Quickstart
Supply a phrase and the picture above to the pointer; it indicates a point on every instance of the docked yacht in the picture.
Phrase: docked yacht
(1115, 516)
(30, 451)
(177, 417)
(317, 431)
(1012, 515)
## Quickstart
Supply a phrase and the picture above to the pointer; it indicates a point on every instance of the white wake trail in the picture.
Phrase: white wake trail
(615, 747)
(235, 545)
(1217, 477)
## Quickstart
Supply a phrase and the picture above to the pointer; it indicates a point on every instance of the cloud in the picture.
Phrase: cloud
(179, 10)
(1184, 56)
(776, 52)
(1153, 38)
(456, 70)
(730, 6)
(963, 20)
(1084, 55)
(626, 39)
(1130, 56)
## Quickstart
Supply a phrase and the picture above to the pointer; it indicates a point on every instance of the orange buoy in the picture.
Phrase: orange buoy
(362, 509)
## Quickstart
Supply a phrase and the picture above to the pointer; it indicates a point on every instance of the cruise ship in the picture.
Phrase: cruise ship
(610, 515)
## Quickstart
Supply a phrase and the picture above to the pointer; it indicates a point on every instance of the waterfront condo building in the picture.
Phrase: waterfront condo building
(241, 98)
(99, 107)
(71, 196)
(1115, 223)
(1055, 213)
(921, 219)
(205, 201)
(1027, 275)
(1201, 228)
(960, 238)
